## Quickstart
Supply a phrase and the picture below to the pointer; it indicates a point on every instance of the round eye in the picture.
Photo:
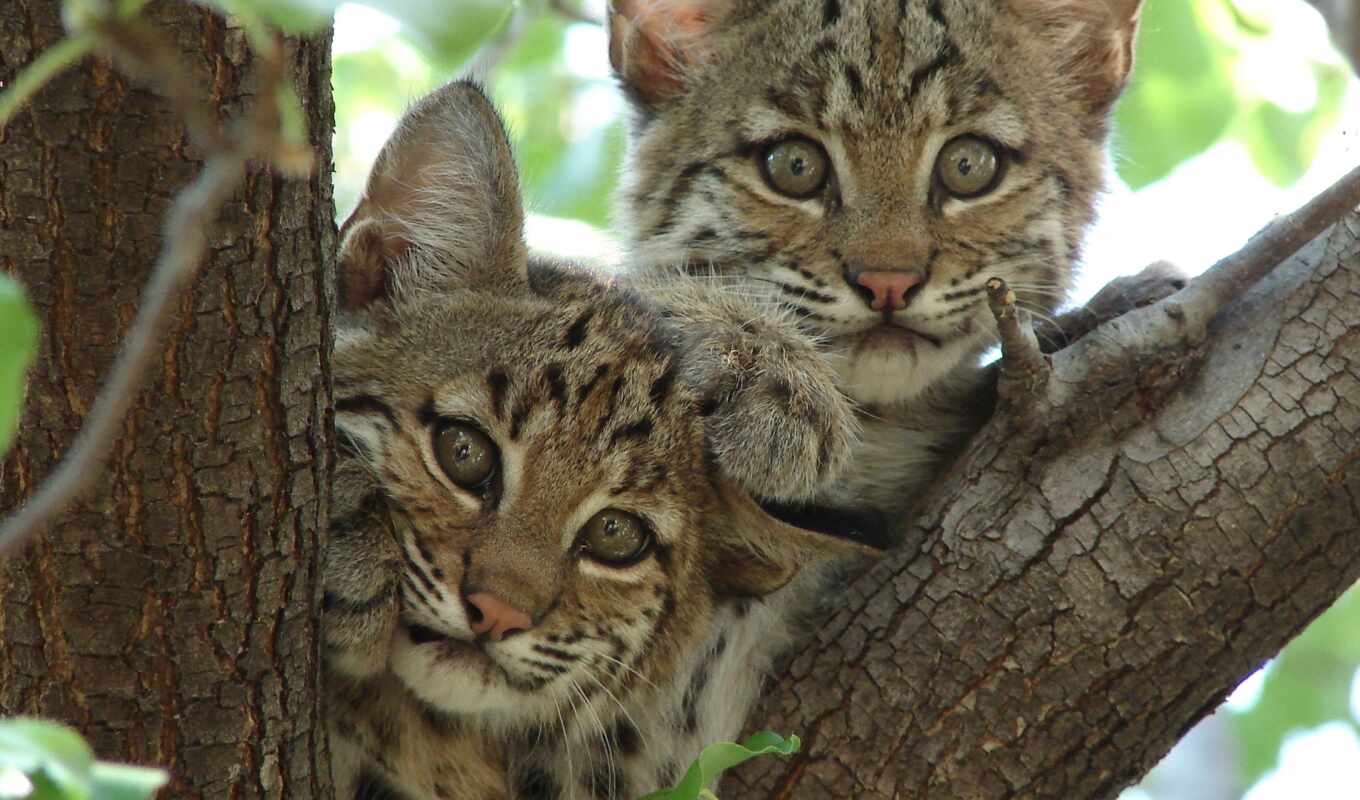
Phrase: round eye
(467, 455)
(968, 167)
(795, 167)
(615, 537)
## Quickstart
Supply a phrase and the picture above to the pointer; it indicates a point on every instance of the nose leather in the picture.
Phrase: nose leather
(889, 287)
(498, 618)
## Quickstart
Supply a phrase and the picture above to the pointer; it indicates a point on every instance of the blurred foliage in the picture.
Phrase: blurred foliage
(1308, 685)
(46, 761)
(1259, 72)
(719, 757)
(19, 332)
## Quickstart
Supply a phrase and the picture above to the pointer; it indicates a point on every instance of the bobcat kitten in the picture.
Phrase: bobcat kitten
(866, 166)
(533, 573)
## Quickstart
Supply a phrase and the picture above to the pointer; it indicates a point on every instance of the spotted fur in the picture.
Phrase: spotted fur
(880, 86)
(595, 400)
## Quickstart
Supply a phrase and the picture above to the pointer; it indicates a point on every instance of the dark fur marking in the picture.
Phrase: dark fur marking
(557, 388)
(698, 682)
(331, 601)
(517, 419)
(805, 294)
(498, 382)
(426, 413)
(373, 787)
(553, 652)
(535, 784)
(577, 332)
(366, 404)
(831, 11)
(640, 429)
(949, 56)
(661, 387)
(856, 82)
(936, 12)
(625, 738)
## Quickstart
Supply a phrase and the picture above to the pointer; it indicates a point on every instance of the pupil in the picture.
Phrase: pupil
(461, 452)
(965, 166)
(797, 166)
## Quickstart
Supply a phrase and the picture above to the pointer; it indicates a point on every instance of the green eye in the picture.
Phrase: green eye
(796, 167)
(466, 455)
(968, 167)
(616, 538)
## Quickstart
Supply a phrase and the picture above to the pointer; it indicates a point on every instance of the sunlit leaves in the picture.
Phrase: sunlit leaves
(1210, 70)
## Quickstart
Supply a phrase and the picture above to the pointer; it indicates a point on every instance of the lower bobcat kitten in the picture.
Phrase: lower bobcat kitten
(536, 585)
(866, 166)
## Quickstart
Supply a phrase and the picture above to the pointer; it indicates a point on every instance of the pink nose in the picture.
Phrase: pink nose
(498, 618)
(889, 287)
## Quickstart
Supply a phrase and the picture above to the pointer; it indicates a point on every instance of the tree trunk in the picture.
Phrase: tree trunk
(1090, 582)
(171, 616)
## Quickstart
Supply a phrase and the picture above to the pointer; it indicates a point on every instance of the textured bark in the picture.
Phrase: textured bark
(1083, 592)
(171, 615)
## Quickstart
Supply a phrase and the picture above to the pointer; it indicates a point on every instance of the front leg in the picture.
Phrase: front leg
(778, 424)
(1123, 294)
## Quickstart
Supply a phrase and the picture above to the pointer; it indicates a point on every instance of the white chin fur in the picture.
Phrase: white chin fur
(893, 376)
(467, 686)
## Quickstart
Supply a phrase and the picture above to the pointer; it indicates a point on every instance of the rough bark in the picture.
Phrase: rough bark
(170, 616)
(1085, 589)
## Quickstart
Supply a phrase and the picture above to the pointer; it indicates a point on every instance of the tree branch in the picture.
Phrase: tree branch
(1070, 602)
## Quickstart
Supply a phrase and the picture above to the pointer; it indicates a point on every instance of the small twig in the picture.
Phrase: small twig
(571, 12)
(185, 243)
(1024, 369)
(1196, 305)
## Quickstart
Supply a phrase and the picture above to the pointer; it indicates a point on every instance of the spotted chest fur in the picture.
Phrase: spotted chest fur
(533, 551)
(863, 167)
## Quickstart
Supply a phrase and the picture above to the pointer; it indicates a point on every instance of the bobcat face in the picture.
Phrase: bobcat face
(560, 540)
(547, 483)
(872, 163)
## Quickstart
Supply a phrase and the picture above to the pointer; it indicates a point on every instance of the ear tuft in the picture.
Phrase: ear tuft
(1097, 37)
(441, 207)
(752, 554)
(653, 42)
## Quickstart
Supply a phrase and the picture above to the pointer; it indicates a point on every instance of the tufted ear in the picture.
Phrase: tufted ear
(441, 208)
(751, 554)
(1096, 36)
(652, 42)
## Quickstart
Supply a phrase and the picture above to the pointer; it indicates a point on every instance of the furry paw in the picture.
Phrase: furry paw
(777, 424)
(1157, 281)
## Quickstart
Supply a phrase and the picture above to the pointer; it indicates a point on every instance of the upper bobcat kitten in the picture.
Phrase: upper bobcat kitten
(532, 570)
(868, 165)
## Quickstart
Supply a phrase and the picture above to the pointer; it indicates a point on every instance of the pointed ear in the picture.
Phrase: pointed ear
(441, 207)
(752, 554)
(1097, 38)
(653, 42)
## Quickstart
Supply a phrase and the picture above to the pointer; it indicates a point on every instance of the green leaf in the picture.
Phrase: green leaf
(61, 766)
(722, 756)
(51, 755)
(126, 782)
(18, 344)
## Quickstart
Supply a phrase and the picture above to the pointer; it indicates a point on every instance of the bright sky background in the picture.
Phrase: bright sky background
(1206, 209)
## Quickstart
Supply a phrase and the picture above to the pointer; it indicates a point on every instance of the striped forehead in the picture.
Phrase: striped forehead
(604, 391)
(876, 62)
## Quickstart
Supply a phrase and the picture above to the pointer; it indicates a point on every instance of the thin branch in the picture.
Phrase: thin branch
(1200, 302)
(184, 246)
